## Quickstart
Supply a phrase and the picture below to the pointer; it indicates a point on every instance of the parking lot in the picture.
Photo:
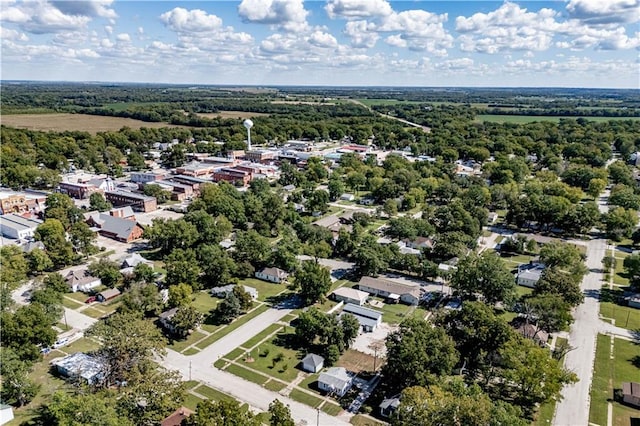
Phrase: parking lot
(373, 343)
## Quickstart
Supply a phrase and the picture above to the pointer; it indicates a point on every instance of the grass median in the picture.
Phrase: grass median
(220, 333)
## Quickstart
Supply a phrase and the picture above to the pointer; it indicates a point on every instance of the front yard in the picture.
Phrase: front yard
(608, 374)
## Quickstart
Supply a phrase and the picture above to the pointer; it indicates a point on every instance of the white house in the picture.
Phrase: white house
(81, 365)
(529, 274)
(81, 280)
(350, 295)
(6, 414)
(312, 363)
(225, 290)
(369, 319)
(18, 227)
(390, 290)
(335, 380)
(273, 275)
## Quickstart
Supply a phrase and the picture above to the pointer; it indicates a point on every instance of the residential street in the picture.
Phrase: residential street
(200, 367)
(573, 409)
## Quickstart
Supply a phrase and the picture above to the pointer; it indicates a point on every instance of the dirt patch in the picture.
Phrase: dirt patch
(357, 361)
(75, 122)
(232, 114)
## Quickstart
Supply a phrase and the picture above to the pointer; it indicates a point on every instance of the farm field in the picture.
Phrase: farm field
(75, 122)
(497, 118)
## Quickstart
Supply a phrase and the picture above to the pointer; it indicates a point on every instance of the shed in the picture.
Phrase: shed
(389, 405)
(312, 363)
(350, 295)
(80, 365)
(631, 393)
(369, 319)
(108, 294)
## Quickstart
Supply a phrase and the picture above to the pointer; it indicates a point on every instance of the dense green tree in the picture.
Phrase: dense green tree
(144, 273)
(182, 268)
(168, 235)
(180, 295)
(154, 190)
(251, 247)
(564, 256)
(221, 413)
(83, 409)
(562, 283)
(485, 275)
(83, 238)
(312, 282)
(227, 310)
(51, 302)
(631, 266)
(186, 319)
(141, 298)
(127, 341)
(62, 208)
(107, 270)
(39, 261)
(280, 414)
(17, 388)
(56, 282)
(99, 203)
(417, 354)
(217, 266)
(52, 234)
(619, 223)
(13, 267)
(27, 329)
(550, 312)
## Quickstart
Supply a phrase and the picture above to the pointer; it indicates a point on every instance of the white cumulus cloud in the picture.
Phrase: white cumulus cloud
(604, 11)
(357, 9)
(289, 15)
(190, 21)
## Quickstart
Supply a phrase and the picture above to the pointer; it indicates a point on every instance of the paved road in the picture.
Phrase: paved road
(77, 319)
(200, 367)
(573, 409)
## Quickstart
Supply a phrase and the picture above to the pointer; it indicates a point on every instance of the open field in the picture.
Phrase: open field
(608, 374)
(232, 114)
(624, 316)
(357, 362)
(498, 118)
(75, 122)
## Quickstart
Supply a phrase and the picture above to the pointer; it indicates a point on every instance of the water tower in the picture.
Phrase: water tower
(248, 124)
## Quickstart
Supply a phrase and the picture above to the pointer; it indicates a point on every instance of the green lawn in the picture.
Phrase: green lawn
(71, 304)
(360, 420)
(231, 356)
(523, 291)
(94, 312)
(261, 336)
(620, 277)
(274, 385)
(81, 345)
(190, 351)
(289, 318)
(213, 394)
(393, 313)
(249, 375)
(181, 345)
(191, 401)
(326, 305)
(265, 289)
(331, 409)
(608, 374)
(78, 296)
(285, 369)
(341, 283)
(624, 316)
(204, 302)
(305, 398)
(310, 383)
(544, 416)
(230, 327)
(190, 384)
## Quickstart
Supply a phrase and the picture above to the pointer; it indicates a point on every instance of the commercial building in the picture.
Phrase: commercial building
(21, 202)
(232, 175)
(18, 227)
(369, 319)
(80, 191)
(137, 202)
(116, 228)
(390, 290)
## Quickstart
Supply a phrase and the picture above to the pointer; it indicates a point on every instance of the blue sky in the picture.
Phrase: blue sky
(572, 43)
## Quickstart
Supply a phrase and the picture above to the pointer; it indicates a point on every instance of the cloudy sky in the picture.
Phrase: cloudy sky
(572, 43)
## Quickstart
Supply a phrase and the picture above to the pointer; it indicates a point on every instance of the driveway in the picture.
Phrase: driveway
(200, 367)
(78, 320)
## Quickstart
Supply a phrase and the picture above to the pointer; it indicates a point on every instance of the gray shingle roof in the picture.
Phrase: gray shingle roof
(313, 359)
(122, 228)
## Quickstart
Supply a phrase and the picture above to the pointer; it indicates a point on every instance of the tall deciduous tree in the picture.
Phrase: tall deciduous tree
(619, 223)
(486, 275)
(280, 414)
(312, 281)
(98, 202)
(83, 409)
(186, 319)
(180, 295)
(127, 341)
(182, 268)
(52, 234)
(417, 353)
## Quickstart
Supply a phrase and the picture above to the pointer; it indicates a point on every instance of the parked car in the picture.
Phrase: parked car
(90, 299)
(60, 343)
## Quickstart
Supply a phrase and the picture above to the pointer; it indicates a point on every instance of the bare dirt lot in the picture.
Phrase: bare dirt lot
(75, 122)
(357, 361)
(232, 114)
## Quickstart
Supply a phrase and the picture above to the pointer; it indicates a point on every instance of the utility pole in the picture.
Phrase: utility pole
(189, 370)
(318, 417)
(65, 318)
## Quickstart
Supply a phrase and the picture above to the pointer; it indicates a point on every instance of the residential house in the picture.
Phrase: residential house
(6, 413)
(530, 331)
(106, 184)
(81, 280)
(274, 275)
(176, 418)
(116, 228)
(134, 260)
(390, 290)
(312, 363)
(80, 366)
(529, 274)
(165, 319)
(419, 243)
(107, 295)
(369, 319)
(389, 405)
(223, 291)
(336, 380)
(631, 393)
(347, 197)
(350, 295)
(18, 227)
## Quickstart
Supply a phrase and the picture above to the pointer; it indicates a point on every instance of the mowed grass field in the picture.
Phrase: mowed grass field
(60, 122)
